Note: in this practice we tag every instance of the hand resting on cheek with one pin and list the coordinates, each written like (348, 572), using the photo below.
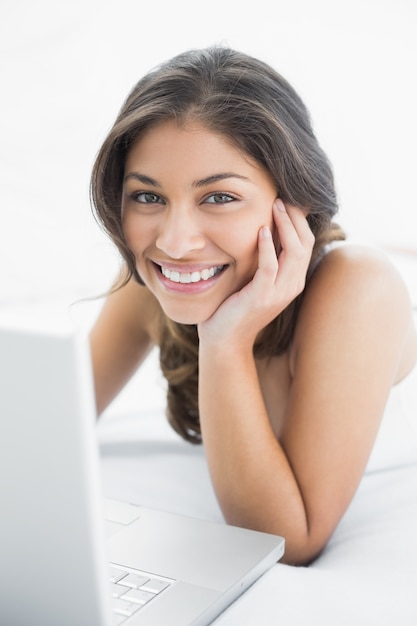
(278, 280)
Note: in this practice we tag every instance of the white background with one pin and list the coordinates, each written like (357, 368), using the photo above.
(67, 66)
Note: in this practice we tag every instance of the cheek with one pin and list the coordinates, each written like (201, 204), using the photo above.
(127, 227)
(135, 232)
(246, 238)
(245, 253)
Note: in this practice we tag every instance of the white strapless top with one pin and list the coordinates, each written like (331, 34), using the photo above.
(396, 442)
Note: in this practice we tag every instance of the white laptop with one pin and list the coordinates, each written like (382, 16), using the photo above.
(62, 564)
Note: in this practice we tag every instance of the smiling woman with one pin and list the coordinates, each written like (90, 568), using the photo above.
(193, 222)
(216, 192)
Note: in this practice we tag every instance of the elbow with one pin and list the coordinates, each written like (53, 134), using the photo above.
(305, 539)
(301, 549)
(302, 545)
(300, 555)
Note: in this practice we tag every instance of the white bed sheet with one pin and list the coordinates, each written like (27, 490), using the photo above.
(366, 575)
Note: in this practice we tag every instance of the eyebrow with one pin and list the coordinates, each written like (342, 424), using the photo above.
(146, 180)
(208, 180)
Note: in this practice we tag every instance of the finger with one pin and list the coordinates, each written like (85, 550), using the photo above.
(287, 233)
(267, 255)
(298, 217)
(297, 242)
(262, 283)
(292, 226)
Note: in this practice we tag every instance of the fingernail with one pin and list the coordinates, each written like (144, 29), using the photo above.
(265, 232)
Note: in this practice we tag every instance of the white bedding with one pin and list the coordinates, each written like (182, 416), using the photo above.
(367, 575)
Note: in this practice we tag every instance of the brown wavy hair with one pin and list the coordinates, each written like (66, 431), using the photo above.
(255, 108)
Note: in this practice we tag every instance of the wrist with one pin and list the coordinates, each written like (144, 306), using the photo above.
(238, 349)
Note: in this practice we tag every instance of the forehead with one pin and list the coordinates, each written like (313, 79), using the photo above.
(191, 145)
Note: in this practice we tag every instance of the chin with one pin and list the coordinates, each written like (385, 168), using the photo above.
(185, 319)
(186, 315)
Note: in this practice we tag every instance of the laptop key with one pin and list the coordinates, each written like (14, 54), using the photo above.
(116, 574)
(154, 585)
(118, 590)
(139, 596)
(123, 607)
(134, 580)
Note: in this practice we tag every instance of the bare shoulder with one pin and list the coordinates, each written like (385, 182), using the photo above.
(357, 275)
(356, 291)
(360, 265)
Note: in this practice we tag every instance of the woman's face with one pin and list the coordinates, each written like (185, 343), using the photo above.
(192, 207)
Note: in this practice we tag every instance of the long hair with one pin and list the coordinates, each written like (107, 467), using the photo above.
(255, 108)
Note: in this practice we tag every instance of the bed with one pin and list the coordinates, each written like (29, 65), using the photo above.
(366, 575)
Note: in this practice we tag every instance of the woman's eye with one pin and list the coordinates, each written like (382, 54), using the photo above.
(147, 197)
(219, 198)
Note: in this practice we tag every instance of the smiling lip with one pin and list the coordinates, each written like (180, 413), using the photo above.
(193, 280)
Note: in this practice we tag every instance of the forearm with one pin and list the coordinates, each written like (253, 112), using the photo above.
(251, 474)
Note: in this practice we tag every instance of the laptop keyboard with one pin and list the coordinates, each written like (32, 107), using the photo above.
(132, 589)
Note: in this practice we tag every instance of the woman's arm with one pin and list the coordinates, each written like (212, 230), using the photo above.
(349, 350)
(348, 344)
(121, 339)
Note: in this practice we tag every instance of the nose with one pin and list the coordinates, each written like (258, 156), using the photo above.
(179, 233)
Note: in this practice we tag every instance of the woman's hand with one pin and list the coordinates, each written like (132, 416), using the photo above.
(278, 280)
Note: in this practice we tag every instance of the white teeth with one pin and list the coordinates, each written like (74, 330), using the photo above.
(205, 274)
(191, 277)
(185, 278)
